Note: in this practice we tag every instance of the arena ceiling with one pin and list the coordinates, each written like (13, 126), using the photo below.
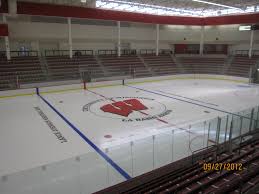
(200, 8)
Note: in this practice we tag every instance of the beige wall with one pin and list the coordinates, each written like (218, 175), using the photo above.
(42, 36)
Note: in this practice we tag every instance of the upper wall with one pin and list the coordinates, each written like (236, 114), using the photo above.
(33, 8)
(55, 35)
(227, 34)
(170, 33)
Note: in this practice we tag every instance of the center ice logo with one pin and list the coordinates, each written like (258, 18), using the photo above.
(124, 108)
(127, 109)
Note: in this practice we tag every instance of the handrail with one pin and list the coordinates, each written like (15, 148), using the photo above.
(128, 51)
(19, 54)
(56, 52)
(2, 54)
(215, 52)
(203, 149)
(82, 52)
(147, 51)
(242, 52)
(255, 53)
(165, 51)
(107, 52)
(115, 52)
(24, 53)
(76, 52)
(253, 132)
(187, 51)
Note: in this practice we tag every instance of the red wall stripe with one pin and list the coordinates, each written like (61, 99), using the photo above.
(233, 19)
(92, 13)
(4, 30)
(80, 12)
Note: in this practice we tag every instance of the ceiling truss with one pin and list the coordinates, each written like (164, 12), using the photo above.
(201, 8)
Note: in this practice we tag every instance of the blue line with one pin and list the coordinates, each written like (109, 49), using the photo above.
(188, 98)
(244, 86)
(107, 158)
(188, 102)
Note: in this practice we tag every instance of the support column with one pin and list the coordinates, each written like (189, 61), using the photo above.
(202, 40)
(157, 39)
(35, 46)
(12, 7)
(251, 44)
(7, 44)
(7, 48)
(70, 38)
(119, 38)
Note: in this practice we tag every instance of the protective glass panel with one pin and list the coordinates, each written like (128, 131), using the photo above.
(212, 128)
(163, 149)
(237, 123)
(122, 156)
(25, 182)
(223, 129)
(94, 173)
(198, 136)
(143, 156)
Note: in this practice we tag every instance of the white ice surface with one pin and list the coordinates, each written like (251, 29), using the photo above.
(27, 142)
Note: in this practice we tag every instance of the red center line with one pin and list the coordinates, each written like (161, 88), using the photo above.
(161, 120)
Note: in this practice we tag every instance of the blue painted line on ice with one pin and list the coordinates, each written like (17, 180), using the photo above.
(244, 86)
(100, 152)
(224, 111)
(187, 98)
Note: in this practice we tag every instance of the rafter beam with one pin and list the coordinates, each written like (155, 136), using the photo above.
(216, 4)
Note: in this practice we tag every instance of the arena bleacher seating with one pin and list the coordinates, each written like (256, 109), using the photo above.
(241, 65)
(184, 177)
(63, 67)
(56, 65)
(124, 65)
(202, 65)
(162, 64)
(20, 70)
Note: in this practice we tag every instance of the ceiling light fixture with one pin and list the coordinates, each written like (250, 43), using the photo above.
(217, 4)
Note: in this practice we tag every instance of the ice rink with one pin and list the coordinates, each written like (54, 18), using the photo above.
(90, 139)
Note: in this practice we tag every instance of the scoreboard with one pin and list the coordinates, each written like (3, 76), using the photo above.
(249, 27)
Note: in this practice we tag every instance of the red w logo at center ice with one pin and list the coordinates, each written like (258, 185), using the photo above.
(124, 108)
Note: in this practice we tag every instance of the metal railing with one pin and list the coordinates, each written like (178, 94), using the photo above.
(107, 52)
(56, 53)
(246, 52)
(82, 52)
(209, 150)
(165, 51)
(242, 52)
(147, 51)
(133, 52)
(215, 52)
(24, 53)
(66, 52)
(129, 52)
(79, 52)
(255, 52)
(19, 54)
(2, 54)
